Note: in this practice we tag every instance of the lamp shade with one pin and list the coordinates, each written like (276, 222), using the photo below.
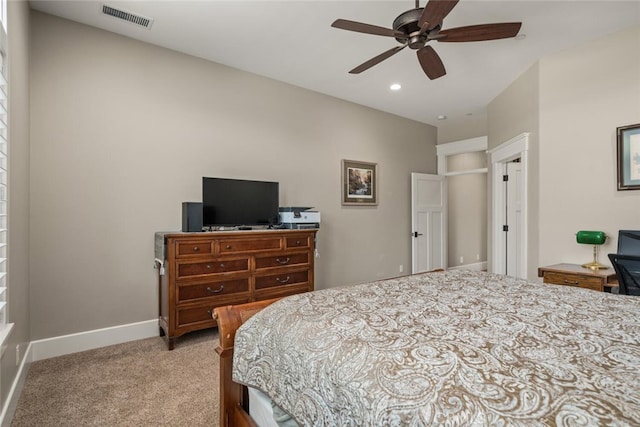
(591, 237)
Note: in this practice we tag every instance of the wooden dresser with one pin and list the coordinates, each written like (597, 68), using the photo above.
(212, 269)
(578, 276)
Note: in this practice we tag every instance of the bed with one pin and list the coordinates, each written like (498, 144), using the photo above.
(443, 348)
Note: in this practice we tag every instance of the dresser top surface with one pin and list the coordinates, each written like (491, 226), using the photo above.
(227, 233)
(577, 269)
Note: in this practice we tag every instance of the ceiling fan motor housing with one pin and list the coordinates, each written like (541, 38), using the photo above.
(407, 23)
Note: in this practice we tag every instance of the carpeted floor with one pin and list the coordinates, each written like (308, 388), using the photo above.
(138, 383)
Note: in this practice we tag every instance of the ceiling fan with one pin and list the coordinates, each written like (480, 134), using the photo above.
(416, 27)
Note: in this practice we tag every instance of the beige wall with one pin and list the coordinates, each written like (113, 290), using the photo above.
(586, 92)
(572, 102)
(510, 114)
(18, 293)
(457, 129)
(122, 133)
(515, 110)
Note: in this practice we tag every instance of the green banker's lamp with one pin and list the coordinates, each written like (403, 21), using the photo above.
(595, 238)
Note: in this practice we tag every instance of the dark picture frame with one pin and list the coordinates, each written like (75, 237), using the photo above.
(359, 183)
(628, 148)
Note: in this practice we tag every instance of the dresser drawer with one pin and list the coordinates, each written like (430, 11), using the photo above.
(229, 246)
(201, 315)
(282, 260)
(194, 248)
(281, 291)
(299, 242)
(576, 280)
(194, 291)
(282, 279)
(190, 269)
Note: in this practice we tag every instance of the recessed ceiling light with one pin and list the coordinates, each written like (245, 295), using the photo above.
(442, 117)
(395, 86)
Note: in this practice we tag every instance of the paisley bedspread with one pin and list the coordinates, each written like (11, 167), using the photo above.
(455, 348)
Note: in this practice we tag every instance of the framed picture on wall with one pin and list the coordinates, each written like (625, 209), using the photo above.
(359, 183)
(629, 157)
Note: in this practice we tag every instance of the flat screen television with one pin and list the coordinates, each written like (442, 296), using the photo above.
(629, 242)
(239, 203)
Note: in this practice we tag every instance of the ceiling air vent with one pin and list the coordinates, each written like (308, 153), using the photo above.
(127, 16)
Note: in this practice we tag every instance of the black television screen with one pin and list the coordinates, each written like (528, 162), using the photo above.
(629, 242)
(238, 202)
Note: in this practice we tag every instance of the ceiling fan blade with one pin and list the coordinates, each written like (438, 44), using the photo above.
(476, 33)
(360, 27)
(431, 63)
(376, 60)
(435, 11)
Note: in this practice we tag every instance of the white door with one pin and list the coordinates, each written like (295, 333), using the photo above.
(513, 219)
(505, 153)
(429, 222)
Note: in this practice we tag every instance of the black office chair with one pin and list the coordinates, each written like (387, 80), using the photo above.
(628, 271)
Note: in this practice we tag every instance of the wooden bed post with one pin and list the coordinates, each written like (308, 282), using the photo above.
(229, 319)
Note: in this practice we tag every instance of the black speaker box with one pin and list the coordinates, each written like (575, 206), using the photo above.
(191, 216)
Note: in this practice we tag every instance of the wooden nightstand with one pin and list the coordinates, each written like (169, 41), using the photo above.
(578, 276)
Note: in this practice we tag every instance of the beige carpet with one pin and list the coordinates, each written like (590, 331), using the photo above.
(138, 383)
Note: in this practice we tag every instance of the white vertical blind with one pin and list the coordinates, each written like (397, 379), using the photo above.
(4, 188)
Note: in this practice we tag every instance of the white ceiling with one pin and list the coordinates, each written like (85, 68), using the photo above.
(292, 41)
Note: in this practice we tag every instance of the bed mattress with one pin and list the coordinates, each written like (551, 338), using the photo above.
(453, 348)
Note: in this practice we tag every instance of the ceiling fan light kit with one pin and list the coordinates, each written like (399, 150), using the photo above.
(416, 27)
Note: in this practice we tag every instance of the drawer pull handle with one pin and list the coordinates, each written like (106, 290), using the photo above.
(283, 261)
(571, 282)
(208, 266)
(279, 280)
(210, 313)
(196, 248)
(222, 265)
(215, 291)
(228, 246)
(298, 242)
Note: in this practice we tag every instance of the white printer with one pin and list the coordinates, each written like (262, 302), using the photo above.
(299, 217)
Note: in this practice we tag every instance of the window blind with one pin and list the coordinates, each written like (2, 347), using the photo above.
(4, 190)
(5, 327)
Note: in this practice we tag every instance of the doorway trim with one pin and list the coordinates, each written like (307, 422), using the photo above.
(459, 147)
(510, 150)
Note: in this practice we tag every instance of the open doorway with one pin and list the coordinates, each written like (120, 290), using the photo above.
(464, 166)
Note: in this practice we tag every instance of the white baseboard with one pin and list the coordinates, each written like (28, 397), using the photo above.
(66, 344)
(6, 417)
(478, 266)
